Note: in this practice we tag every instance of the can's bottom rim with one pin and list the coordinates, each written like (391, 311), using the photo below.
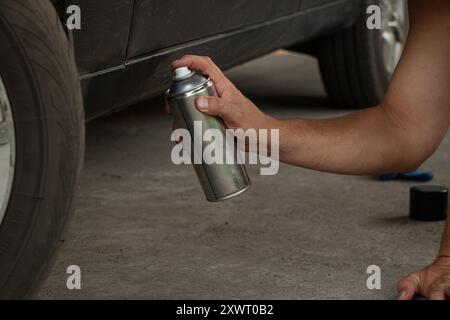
(230, 195)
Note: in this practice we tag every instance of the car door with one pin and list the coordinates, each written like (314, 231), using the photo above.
(102, 41)
(159, 24)
(306, 4)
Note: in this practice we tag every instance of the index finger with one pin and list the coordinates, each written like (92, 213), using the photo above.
(207, 67)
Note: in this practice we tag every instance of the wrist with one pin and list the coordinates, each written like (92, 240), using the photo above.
(444, 250)
(442, 260)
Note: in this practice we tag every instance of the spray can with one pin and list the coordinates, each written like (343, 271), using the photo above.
(220, 181)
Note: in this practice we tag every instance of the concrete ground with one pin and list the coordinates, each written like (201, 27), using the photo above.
(142, 228)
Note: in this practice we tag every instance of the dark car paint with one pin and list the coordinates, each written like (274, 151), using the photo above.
(187, 20)
(124, 55)
(103, 39)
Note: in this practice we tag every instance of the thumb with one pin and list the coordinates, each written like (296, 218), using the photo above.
(213, 106)
(407, 287)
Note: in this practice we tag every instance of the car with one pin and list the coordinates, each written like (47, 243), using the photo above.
(53, 79)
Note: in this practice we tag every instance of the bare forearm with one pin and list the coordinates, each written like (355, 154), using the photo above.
(365, 142)
(405, 129)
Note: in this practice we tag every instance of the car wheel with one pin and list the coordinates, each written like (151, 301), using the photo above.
(357, 63)
(41, 141)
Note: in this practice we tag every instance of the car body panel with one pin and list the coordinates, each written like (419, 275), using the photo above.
(124, 55)
(186, 21)
(103, 39)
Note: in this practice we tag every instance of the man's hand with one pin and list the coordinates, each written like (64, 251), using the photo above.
(231, 105)
(432, 282)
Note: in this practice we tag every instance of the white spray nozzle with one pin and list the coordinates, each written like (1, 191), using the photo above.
(182, 72)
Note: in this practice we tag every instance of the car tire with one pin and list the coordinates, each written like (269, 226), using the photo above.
(41, 82)
(357, 63)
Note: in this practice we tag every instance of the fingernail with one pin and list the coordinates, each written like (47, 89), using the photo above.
(202, 103)
(402, 295)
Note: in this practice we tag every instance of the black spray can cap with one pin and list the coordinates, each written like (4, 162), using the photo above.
(428, 203)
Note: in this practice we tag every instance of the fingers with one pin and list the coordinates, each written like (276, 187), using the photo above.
(207, 67)
(420, 283)
(167, 109)
(408, 287)
(437, 294)
(213, 106)
(440, 289)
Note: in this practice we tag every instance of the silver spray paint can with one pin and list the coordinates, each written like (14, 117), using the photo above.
(220, 181)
